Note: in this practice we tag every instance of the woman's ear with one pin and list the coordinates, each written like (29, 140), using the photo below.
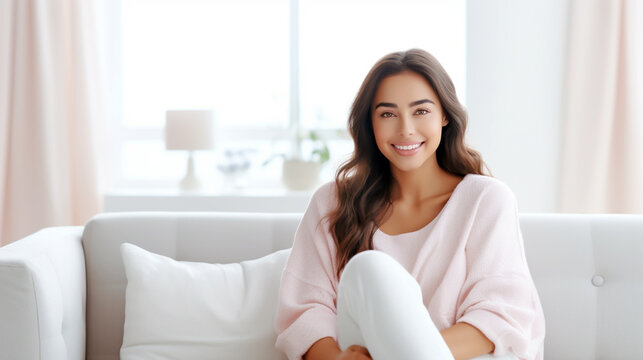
(445, 122)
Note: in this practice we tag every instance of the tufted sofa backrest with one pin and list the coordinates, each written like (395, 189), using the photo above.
(588, 270)
(589, 273)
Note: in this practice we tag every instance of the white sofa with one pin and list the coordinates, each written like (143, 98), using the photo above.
(62, 289)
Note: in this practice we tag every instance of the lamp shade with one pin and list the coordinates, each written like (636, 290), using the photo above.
(189, 129)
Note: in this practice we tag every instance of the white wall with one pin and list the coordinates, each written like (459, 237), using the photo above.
(515, 67)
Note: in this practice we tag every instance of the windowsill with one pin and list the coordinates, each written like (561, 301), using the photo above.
(272, 200)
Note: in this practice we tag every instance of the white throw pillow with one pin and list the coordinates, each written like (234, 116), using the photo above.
(189, 310)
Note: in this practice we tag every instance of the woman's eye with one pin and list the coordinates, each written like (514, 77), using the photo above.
(422, 112)
(387, 114)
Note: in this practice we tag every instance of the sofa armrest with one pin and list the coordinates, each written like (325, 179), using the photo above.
(42, 296)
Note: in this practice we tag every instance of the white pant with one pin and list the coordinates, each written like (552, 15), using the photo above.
(379, 307)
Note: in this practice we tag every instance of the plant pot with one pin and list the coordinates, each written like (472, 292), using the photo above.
(300, 175)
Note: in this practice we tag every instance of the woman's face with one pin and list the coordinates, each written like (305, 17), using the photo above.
(407, 121)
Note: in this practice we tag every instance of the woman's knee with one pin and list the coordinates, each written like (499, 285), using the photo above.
(373, 267)
(370, 261)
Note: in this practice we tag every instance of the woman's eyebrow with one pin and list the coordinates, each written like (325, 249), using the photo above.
(386, 104)
(414, 103)
(421, 102)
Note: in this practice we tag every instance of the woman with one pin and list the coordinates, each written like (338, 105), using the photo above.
(412, 253)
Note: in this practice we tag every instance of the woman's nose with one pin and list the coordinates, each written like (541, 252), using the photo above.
(406, 126)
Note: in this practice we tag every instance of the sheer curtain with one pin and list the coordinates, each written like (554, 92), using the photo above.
(50, 114)
(602, 164)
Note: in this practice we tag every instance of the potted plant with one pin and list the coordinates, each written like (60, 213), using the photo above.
(301, 172)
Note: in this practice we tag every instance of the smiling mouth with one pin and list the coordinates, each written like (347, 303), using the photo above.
(408, 147)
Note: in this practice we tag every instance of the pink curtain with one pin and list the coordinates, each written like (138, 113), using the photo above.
(602, 164)
(50, 114)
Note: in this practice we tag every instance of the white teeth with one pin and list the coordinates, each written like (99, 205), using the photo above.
(408, 147)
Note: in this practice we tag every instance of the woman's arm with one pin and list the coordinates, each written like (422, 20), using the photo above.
(327, 349)
(306, 310)
(466, 342)
(501, 300)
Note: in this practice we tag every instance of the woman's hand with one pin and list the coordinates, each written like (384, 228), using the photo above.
(355, 352)
(327, 348)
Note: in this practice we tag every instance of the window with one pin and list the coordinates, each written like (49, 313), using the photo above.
(341, 40)
(235, 57)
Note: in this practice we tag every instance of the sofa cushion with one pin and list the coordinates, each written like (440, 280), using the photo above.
(185, 236)
(194, 310)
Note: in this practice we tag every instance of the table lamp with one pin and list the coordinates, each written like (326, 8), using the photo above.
(189, 130)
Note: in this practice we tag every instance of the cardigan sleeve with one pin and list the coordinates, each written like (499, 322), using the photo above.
(498, 296)
(307, 294)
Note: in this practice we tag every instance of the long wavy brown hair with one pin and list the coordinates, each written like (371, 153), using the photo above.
(364, 182)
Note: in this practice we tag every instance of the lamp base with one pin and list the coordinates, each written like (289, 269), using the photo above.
(190, 182)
